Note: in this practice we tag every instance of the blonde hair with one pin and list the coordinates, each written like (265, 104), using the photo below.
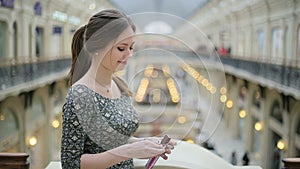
(122, 85)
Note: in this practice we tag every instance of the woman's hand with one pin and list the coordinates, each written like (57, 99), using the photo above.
(168, 148)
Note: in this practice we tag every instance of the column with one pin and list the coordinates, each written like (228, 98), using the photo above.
(10, 40)
(233, 95)
(48, 39)
(267, 40)
(249, 131)
(66, 35)
(266, 134)
(32, 41)
(233, 34)
(48, 28)
(292, 35)
(23, 37)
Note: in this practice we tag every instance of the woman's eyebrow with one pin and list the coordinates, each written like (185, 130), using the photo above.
(125, 44)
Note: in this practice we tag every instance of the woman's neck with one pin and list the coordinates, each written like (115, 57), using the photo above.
(101, 74)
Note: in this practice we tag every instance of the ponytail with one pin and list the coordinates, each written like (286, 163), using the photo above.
(81, 61)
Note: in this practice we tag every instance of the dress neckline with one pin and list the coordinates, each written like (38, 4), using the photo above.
(98, 94)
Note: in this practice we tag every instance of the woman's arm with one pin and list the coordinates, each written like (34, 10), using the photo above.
(72, 142)
(154, 139)
(99, 161)
(134, 139)
(172, 143)
(140, 149)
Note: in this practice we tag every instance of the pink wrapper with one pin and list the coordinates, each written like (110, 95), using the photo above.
(151, 162)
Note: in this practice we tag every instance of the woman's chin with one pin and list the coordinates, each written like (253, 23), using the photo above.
(120, 68)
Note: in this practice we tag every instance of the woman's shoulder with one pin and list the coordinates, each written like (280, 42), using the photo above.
(78, 90)
(79, 86)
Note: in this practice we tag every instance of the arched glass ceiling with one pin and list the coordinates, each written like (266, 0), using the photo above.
(180, 8)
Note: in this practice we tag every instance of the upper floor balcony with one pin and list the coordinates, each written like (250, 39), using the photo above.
(16, 77)
(282, 76)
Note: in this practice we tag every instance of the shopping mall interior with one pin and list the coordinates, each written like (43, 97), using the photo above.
(221, 77)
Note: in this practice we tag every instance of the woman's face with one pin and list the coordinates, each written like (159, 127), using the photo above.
(122, 49)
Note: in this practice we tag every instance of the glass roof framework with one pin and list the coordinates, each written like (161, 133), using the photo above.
(183, 9)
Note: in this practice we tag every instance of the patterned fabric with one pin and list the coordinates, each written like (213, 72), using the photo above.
(93, 124)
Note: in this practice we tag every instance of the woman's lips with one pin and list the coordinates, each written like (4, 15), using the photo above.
(123, 62)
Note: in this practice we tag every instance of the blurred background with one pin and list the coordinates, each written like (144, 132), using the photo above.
(222, 74)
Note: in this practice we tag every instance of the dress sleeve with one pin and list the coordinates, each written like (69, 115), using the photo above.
(73, 138)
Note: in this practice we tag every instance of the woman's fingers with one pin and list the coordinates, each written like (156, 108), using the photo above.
(154, 145)
(170, 147)
(172, 142)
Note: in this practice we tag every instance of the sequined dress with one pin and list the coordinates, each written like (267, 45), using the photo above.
(93, 124)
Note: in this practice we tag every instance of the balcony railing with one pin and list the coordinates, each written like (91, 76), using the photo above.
(279, 72)
(15, 74)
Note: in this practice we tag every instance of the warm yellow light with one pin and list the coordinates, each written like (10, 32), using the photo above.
(223, 90)
(55, 123)
(32, 141)
(213, 90)
(281, 145)
(200, 78)
(154, 74)
(258, 126)
(257, 95)
(223, 98)
(229, 104)
(141, 90)
(196, 75)
(173, 90)
(92, 6)
(242, 114)
(148, 71)
(175, 99)
(2, 117)
(209, 87)
(138, 98)
(190, 141)
(205, 82)
(181, 119)
(166, 70)
(156, 95)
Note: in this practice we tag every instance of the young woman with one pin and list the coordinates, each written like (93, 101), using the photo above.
(98, 117)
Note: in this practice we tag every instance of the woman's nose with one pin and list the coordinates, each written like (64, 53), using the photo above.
(130, 53)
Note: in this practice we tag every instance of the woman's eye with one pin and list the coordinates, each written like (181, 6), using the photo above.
(121, 49)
